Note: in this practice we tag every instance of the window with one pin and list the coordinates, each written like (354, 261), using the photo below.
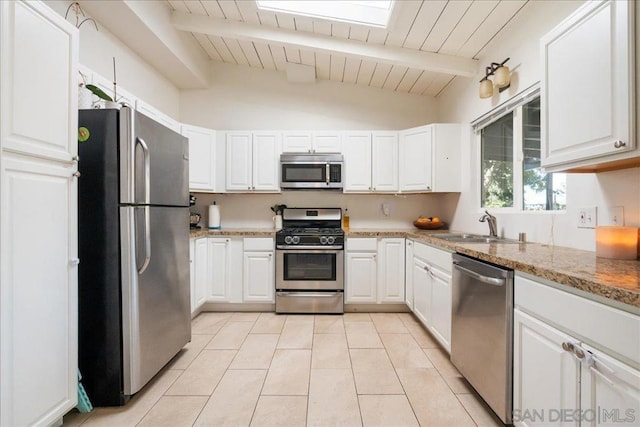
(516, 182)
(366, 12)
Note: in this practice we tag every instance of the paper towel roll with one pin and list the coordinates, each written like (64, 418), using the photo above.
(214, 216)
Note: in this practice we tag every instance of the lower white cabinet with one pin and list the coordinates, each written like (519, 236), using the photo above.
(574, 359)
(431, 287)
(258, 267)
(219, 263)
(408, 277)
(200, 276)
(375, 270)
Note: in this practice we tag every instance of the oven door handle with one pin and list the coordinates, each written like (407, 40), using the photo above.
(309, 248)
(484, 279)
(308, 294)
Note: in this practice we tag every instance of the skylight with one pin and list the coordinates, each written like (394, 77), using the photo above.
(374, 13)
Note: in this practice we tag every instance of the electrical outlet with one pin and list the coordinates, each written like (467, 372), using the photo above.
(587, 217)
(615, 216)
(386, 209)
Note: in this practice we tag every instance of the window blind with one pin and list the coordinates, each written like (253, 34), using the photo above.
(506, 107)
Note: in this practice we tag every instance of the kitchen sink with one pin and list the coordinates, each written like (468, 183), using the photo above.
(471, 238)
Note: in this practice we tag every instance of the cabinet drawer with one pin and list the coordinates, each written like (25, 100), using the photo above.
(362, 244)
(434, 256)
(595, 323)
(258, 244)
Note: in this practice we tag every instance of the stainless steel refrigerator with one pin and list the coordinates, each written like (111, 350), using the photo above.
(133, 227)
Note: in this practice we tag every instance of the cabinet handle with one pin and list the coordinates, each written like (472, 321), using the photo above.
(76, 158)
(428, 188)
(270, 255)
(409, 243)
(74, 261)
(578, 352)
(77, 174)
(249, 188)
(619, 144)
(567, 346)
(369, 188)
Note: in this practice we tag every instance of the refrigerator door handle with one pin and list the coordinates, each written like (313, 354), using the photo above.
(147, 240)
(147, 170)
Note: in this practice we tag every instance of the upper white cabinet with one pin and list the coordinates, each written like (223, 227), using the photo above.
(587, 89)
(311, 142)
(371, 161)
(430, 158)
(157, 115)
(258, 265)
(202, 158)
(38, 266)
(252, 161)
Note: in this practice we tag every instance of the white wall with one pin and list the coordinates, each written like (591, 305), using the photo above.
(460, 103)
(246, 98)
(97, 48)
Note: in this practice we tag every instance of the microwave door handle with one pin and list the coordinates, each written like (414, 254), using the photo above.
(328, 174)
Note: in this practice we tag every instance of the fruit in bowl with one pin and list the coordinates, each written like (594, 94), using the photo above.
(429, 223)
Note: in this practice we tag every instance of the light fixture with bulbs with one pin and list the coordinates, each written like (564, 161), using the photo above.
(501, 80)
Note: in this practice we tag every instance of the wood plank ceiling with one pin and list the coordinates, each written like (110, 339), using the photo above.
(455, 27)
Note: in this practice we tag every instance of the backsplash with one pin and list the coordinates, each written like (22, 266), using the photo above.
(365, 210)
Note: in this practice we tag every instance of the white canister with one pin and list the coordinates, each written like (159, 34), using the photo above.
(214, 217)
(277, 222)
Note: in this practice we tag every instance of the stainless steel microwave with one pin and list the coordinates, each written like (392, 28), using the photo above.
(311, 171)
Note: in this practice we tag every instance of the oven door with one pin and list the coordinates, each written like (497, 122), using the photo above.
(311, 175)
(310, 269)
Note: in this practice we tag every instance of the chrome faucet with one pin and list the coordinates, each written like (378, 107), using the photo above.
(492, 221)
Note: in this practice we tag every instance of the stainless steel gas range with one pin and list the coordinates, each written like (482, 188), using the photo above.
(310, 261)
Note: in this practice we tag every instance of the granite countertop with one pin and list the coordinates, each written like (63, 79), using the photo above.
(616, 280)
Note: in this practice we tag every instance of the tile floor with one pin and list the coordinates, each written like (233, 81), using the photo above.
(263, 369)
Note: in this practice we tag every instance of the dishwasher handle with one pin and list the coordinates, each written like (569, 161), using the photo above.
(495, 281)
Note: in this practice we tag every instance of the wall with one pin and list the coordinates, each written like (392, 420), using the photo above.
(460, 103)
(97, 48)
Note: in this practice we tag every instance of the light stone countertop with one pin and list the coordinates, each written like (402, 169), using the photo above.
(616, 280)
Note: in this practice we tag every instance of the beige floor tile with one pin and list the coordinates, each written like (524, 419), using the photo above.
(190, 351)
(386, 411)
(408, 319)
(231, 336)
(256, 352)
(422, 336)
(433, 402)
(458, 385)
(362, 335)
(244, 317)
(209, 323)
(404, 351)
(136, 409)
(442, 363)
(235, 398)
(356, 317)
(330, 351)
(479, 411)
(388, 323)
(280, 411)
(269, 323)
(203, 374)
(374, 373)
(174, 411)
(328, 324)
(300, 318)
(332, 398)
(297, 333)
(289, 373)
(74, 418)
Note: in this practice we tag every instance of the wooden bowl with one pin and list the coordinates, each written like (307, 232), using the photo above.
(429, 225)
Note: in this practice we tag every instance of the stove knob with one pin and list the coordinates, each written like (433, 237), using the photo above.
(331, 240)
(323, 240)
(288, 240)
(295, 240)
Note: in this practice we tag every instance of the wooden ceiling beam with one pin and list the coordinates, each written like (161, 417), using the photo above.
(411, 58)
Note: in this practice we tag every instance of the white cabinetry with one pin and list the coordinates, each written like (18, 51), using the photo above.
(200, 277)
(586, 125)
(219, 253)
(374, 270)
(258, 266)
(252, 161)
(572, 354)
(408, 277)
(202, 158)
(371, 161)
(157, 115)
(38, 266)
(431, 280)
(311, 142)
(430, 158)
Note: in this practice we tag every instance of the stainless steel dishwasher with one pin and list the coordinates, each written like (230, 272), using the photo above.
(482, 330)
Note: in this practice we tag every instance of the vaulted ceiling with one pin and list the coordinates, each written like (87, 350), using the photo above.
(428, 43)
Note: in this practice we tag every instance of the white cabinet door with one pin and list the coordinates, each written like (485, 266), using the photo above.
(239, 163)
(201, 278)
(39, 82)
(157, 115)
(361, 277)
(391, 270)
(545, 377)
(219, 260)
(408, 285)
(258, 281)
(421, 291)
(326, 142)
(39, 287)
(357, 158)
(192, 274)
(587, 95)
(202, 157)
(385, 161)
(416, 159)
(266, 156)
(296, 142)
(441, 306)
